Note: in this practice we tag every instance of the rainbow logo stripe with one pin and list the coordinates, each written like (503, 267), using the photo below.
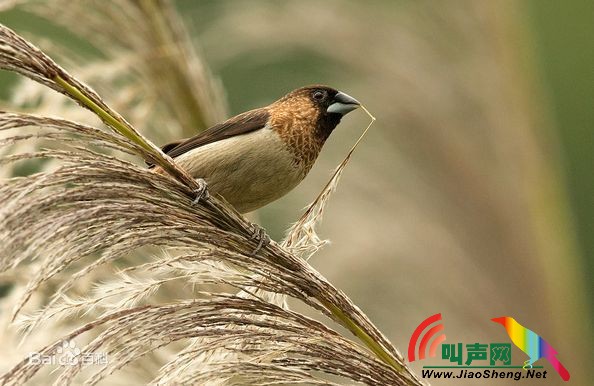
(532, 344)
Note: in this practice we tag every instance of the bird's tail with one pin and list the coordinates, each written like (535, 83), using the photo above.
(559, 368)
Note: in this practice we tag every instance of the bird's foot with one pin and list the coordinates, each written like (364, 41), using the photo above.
(527, 364)
(260, 235)
(202, 191)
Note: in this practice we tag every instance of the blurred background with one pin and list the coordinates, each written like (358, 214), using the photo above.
(472, 195)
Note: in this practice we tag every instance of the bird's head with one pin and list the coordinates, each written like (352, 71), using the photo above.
(500, 320)
(323, 105)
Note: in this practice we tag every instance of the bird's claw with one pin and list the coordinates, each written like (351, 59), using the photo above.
(202, 191)
(260, 235)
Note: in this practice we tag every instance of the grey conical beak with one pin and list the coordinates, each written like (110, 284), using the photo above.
(343, 104)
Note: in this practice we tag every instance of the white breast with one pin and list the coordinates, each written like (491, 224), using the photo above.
(249, 170)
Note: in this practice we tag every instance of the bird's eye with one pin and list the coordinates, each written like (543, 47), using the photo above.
(319, 95)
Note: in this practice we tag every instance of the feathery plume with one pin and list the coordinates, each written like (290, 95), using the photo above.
(97, 205)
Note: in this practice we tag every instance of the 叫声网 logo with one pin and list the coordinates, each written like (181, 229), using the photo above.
(494, 359)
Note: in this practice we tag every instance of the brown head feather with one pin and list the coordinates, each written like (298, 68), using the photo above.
(301, 120)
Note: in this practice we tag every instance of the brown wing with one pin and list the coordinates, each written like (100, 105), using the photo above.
(165, 149)
(170, 146)
(238, 125)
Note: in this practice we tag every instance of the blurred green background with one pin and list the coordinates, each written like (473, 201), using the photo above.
(563, 33)
(474, 194)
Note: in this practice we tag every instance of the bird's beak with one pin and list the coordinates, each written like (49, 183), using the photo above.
(498, 320)
(343, 104)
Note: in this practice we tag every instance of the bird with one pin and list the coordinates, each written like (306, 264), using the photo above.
(258, 156)
(532, 344)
